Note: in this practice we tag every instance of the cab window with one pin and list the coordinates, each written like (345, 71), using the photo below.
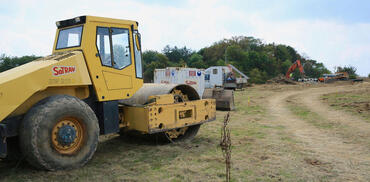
(103, 44)
(114, 47)
(121, 48)
(215, 71)
(137, 48)
(69, 37)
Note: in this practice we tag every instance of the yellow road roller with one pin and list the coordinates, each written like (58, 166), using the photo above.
(53, 109)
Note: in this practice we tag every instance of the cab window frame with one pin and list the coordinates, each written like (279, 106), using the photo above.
(215, 71)
(111, 46)
(69, 27)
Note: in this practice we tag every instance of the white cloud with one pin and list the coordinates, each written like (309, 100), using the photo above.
(331, 42)
(195, 24)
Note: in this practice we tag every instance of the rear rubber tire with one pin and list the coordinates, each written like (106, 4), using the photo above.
(36, 133)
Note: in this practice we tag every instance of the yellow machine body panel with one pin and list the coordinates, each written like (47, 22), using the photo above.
(164, 114)
(80, 92)
(110, 82)
(21, 83)
(111, 79)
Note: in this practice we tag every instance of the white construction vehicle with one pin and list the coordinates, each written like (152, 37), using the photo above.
(225, 77)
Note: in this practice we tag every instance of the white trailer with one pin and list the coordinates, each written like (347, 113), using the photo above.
(196, 78)
(190, 76)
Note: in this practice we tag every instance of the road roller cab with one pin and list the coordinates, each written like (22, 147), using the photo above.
(112, 49)
(53, 109)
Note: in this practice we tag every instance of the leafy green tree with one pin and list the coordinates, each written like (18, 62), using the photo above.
(257, 76)
(234, 53)
(196, 61)
(149, 56)
(154, 60)
(220, 62)
(237, 57)
(286, 65)
(268, 65)
(7, 63)
(181, 63)
(313, 69)
(282, 53)
(175, 54)
(293, 54)
(253, 61)
(212, 54)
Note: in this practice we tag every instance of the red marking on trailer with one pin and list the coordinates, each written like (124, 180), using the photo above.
(189, 82)
(168, 73)
(192, 73)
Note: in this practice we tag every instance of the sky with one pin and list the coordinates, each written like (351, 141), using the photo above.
(335, 32)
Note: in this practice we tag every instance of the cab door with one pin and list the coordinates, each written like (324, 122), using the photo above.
(115, 52)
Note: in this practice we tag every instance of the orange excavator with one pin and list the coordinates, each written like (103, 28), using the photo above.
(293, 67)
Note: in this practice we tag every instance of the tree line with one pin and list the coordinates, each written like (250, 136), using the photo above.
(250, 55)
(257, 60)
(7, 62)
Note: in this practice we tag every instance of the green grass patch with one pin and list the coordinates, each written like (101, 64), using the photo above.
(311, 117)
(356, 102)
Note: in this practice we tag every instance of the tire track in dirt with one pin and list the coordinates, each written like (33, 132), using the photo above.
(349, 161)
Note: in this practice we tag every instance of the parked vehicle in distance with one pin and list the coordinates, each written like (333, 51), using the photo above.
(327, 78)
(225, 77)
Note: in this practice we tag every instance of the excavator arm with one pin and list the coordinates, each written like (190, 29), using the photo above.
(293, 67)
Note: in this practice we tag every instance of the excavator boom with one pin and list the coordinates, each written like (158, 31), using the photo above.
(293, 67)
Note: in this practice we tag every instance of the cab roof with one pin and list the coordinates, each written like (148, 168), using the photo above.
(86, 19)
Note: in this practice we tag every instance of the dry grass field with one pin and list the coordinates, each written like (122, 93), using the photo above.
(285, 133)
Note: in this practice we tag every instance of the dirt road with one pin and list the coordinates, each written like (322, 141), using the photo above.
(348, 158)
